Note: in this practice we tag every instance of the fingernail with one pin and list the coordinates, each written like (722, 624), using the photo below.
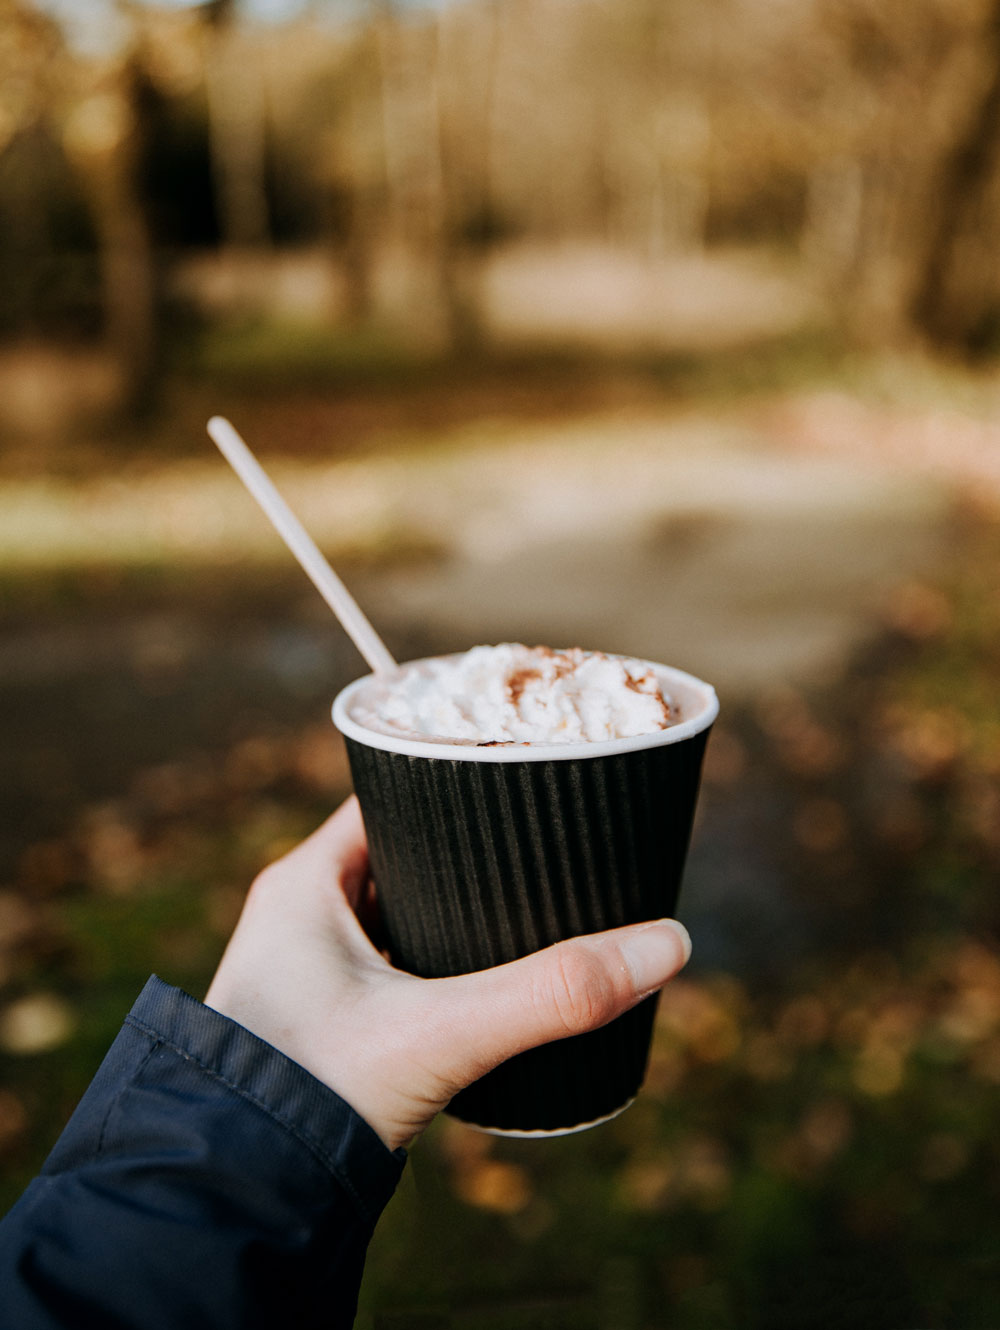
(651, 953)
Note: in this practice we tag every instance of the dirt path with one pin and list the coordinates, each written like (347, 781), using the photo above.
(674, 537)
(701, 544)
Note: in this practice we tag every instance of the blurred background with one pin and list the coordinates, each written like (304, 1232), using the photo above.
(657, 326)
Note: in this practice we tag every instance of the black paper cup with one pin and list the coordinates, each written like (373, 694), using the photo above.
(481, 855)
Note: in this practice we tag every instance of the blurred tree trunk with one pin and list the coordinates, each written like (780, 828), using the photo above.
(27, 234)
(880, 208)
(954, 291)
(392, 114)
(237, 121)
(491, 208)
(33, 77)
(448, 243)
(130, 275)
(354, 182)
(863, 240)
(414, 153)
(658, 148)
(106, 139)
(831, 226)
(357, 253)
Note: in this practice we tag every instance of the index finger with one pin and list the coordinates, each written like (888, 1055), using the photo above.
(337, 850)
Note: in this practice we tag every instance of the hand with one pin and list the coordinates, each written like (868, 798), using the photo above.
(301, 972)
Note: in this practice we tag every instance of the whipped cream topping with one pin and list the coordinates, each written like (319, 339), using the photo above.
(517, 694)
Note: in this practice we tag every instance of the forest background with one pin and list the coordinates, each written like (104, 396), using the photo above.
(695, 307)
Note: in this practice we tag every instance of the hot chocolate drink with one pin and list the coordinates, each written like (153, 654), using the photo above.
(514, 796)
(513, 694)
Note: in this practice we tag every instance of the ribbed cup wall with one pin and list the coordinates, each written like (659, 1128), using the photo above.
(477, 863)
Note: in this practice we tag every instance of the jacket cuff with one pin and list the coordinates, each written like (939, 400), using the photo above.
(299, 1103)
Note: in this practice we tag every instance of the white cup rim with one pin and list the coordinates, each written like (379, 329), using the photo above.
(671, 678)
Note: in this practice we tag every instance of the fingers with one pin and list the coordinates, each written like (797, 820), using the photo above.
(568, 989)
(336, 852)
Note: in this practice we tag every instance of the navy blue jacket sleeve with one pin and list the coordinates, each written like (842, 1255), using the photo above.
(205, 1182)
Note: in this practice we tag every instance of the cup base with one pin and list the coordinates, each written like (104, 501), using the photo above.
(553, 1131)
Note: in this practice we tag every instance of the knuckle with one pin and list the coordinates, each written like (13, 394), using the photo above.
(581, 994)
(268, 884)
(265, 882)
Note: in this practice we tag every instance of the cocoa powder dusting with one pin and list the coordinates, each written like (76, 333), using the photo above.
(647, 686)
(518, 681)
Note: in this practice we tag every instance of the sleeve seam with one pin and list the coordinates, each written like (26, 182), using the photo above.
(305, 1138)
(105, 1121)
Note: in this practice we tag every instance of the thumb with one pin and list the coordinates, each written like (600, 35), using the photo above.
(567, 989)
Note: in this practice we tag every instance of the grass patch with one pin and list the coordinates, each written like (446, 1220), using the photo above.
(259, 356)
